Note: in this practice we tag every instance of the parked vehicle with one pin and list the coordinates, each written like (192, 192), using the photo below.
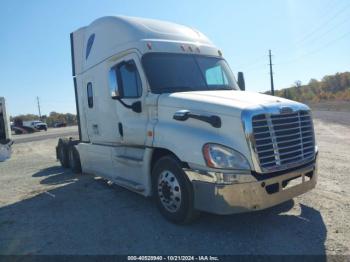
(29, 129)
(161, 114)
(5, 132)
(39, 125)
(18, 130)
(60, 124)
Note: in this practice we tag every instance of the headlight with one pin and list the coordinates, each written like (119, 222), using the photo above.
(218, 156)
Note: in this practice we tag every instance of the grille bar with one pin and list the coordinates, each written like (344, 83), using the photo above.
(285, 153)
(283, 139)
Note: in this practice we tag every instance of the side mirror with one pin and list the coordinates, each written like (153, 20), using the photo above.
(240, 81)
(136, 107)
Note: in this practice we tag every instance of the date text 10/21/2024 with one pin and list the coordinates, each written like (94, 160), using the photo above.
(173, 258)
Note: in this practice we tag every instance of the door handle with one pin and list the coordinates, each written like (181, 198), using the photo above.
(183, 115)
(120, 129)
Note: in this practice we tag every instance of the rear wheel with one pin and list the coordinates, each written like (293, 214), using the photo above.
(62, 153)
(74, 159)
(173, 192)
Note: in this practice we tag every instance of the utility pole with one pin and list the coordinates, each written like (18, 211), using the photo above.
(37, 99)
(271, 75)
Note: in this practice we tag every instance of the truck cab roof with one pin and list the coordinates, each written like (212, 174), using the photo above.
(111, 35)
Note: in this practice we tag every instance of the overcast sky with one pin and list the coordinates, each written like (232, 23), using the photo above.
(309, 39)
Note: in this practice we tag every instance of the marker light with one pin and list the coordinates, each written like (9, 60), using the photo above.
(149, 46)
(183, 47)
(190, 48)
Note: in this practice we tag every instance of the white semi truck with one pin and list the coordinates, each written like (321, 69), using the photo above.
(5, 132)
(160, 113)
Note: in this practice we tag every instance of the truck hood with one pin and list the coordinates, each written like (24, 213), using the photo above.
(228, 102)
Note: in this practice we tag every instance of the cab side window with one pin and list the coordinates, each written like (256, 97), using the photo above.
(215, 76)
(90, 95)
(124, 78)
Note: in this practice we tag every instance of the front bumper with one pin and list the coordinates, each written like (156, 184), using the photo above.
(244, 197)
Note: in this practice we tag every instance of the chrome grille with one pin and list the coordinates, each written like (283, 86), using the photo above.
(283, 140)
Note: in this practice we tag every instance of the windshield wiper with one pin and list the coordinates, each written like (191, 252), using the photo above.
(176, 89)
(220, 87)
(189, 89)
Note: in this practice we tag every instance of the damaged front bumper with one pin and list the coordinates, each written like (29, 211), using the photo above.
(258, 194)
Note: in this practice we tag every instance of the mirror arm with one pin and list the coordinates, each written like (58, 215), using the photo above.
(136, 106)
(123, 103)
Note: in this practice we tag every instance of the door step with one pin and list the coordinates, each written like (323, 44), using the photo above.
(129, 184)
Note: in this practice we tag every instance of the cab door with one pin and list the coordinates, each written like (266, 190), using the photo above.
(91, 112)
(129, 88)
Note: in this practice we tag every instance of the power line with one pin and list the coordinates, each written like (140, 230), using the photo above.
(300, 41)
(261, 66)
(325, 33)
(255, 68)
(253, 62)
(251, 65)
(316, 50)
(309, 37)
(324, 24)
(331, 29)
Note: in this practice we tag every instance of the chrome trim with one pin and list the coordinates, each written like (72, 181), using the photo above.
(270, 110)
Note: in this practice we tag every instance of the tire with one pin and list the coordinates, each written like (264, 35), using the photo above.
(74, 159)
(62, 153)
(173, 191)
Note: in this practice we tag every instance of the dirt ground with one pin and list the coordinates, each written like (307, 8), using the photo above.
(45, 209)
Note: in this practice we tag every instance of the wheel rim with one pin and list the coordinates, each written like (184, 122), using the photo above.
(169, 191)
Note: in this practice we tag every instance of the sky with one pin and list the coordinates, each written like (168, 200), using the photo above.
(308, 39)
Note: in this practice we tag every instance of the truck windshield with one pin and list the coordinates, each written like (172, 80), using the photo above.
(169, 73)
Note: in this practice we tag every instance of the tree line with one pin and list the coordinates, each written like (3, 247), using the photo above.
(50, 120)
(329, 88)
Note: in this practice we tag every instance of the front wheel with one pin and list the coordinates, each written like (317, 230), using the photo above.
(173, 191)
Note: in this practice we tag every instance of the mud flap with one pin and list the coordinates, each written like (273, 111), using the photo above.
(5, 150)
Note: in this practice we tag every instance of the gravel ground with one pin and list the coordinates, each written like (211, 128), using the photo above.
(45, 209)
